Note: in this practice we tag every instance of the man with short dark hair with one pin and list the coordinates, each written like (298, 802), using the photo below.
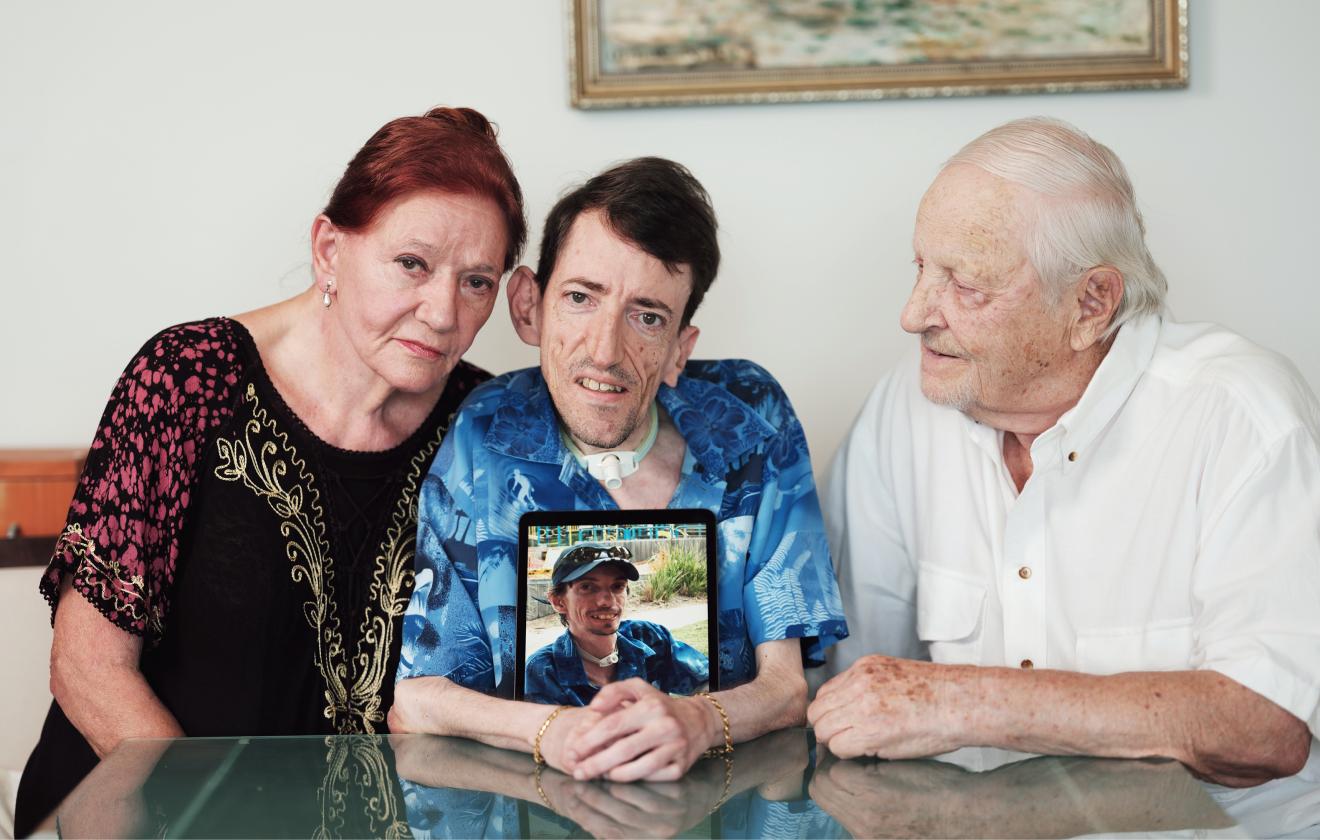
(617, 417)
(589, 592)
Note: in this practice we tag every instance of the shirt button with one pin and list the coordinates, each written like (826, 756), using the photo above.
(1027, 664)
(1072, 456)
(1024, 572)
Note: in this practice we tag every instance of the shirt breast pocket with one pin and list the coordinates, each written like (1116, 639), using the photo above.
(1159, 646)
(950, 615)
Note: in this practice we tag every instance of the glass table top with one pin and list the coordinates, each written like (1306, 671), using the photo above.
(777, 786)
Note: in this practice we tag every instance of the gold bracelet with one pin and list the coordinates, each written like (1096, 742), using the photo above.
(727, 749)
(540, 790)
(728, 784)
(536, 745)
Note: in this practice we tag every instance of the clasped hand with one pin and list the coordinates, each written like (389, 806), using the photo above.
(631, 731)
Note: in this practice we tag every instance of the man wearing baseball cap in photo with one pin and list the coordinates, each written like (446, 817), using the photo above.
(589, 590)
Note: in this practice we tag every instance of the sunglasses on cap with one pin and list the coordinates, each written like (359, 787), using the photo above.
(583, 557)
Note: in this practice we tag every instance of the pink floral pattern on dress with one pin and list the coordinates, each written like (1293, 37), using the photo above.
(121, 541)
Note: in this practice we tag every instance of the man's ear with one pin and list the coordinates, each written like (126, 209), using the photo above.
(1099, 294)
(525, 305)
(687, 340)
(557, 601)
(325, 252)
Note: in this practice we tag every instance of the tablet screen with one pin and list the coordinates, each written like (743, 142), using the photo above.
(610, 595)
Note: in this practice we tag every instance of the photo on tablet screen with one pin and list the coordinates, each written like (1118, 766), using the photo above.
(611, 596)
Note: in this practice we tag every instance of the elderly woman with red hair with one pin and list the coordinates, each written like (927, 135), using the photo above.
(238, 555)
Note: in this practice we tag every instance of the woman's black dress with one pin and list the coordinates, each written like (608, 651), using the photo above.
(266, 570)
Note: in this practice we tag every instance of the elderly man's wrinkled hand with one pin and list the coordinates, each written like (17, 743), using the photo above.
(902, 799)
(643, 734)
(893, 708)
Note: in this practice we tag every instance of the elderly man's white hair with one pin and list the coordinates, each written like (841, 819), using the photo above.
(1089, 216)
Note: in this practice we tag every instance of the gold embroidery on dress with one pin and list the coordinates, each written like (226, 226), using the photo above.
(391, 585)
(128, 592)
(374, 784)
(261, 470)
(352, 686)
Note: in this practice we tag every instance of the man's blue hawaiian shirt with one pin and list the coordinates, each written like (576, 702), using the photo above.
(646, 649)
(746, 461)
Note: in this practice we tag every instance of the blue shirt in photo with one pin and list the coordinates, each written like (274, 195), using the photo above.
(646, 650)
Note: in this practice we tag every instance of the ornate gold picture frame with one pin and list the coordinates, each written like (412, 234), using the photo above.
(632, 53)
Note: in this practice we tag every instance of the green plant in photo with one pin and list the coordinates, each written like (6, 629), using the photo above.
(681, 572)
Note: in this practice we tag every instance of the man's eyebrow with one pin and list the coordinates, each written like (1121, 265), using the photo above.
(652, 303)
(589, 285)
(601, 288)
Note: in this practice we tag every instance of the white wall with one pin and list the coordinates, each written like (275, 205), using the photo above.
(162, 161)
(24, 654)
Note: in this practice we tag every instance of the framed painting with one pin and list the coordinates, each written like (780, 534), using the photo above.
(629, 53)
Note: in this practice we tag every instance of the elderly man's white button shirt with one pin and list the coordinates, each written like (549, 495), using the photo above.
(1171, 522)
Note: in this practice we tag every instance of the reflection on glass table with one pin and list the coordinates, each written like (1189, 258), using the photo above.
(776, 786)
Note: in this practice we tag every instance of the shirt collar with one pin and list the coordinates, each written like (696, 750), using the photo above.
(525, 424)
(633, 654)
(704, 413)
(568, 665)
(1112, 383)
(1110, 386)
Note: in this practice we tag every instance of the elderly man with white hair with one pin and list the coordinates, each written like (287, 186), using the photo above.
(1100, 526)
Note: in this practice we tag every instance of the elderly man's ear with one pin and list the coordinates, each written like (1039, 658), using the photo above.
(1098, 294)
(525, 305)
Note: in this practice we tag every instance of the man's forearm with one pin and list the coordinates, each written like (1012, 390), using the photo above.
(1217, 727)
(437, 706)
(461, 763)
(775, 699)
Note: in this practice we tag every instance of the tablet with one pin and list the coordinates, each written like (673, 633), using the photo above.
(608, 595)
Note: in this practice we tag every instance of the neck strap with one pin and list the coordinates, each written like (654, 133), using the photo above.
(612, 467)
(604, 662)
